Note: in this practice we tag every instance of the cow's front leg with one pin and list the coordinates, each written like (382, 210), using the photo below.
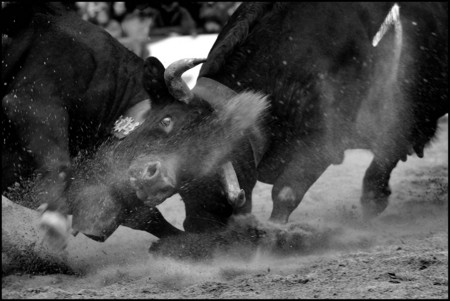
(54, 220)
(45, 137)
(295, 180)
(149, 219)
(376, 189)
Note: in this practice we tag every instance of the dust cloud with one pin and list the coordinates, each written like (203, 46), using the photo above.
(328, 223)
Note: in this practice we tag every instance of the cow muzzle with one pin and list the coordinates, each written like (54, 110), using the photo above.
(152, 183)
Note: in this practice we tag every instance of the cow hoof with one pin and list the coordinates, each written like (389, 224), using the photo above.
(278, 219)
(373, 204)
(56, 228)
(280, 215)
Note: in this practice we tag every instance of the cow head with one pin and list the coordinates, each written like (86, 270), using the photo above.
(184, 136)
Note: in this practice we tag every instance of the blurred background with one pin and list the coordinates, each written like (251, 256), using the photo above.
(168, 30)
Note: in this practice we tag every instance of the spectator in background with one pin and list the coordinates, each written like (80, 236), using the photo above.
(100, 13)
(132, 23)
(119, 11)
(130, 29)
(82, 10)
(136, 27)
(170, 18)
(214, 15)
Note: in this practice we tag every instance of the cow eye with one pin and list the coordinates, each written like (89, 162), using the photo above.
(166, 123)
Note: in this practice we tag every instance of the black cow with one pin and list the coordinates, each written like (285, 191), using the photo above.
(65, 82)
(335, 76)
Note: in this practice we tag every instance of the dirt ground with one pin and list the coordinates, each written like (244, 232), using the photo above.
(326, 251)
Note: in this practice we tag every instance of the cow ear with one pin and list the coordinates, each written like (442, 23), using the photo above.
(153, 79)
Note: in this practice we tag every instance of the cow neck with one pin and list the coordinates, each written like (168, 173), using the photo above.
(217, 94)
(131, 119)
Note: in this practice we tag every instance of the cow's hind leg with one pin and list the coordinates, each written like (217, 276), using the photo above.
(376, 189)
(290, 187)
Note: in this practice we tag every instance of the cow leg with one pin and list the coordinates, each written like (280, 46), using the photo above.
(17, 164)
(376, 189)
(149, 219)
(199, 220)
(206, 210)
(295, 180)
(46, 138)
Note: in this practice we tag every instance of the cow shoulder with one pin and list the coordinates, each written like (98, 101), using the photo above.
(235, 31)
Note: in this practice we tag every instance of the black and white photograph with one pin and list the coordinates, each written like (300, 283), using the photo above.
(224, 150)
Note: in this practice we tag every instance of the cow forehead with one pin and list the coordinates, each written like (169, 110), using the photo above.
(148, 118)
(132, 118)
(124, 126)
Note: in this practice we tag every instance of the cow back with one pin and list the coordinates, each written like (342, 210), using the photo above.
(57, 59)
(327, 81)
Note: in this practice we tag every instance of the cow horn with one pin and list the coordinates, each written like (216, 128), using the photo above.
(235, 195)
(172, 76)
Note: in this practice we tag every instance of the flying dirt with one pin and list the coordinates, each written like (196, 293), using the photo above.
(327, 250)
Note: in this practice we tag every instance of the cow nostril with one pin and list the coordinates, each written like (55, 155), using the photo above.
(152, 169)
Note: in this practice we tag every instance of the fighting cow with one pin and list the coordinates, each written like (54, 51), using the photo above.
(69, 88)
(316, 79)
(65, 82)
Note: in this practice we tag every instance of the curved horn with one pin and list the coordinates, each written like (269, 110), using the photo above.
(172, 76)
(235, 195)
